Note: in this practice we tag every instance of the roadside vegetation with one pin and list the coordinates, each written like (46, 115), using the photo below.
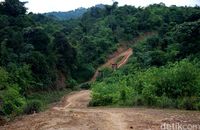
(163, 72)
(40, 55)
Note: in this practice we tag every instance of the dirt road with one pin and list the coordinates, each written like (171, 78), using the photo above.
(72, 113)
(122, 53)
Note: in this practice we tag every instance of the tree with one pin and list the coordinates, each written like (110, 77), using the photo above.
(66, 53)
(13, 7)
(38, 38)
(187, 35)
(4, 21)
(110, 9)
(41, 71)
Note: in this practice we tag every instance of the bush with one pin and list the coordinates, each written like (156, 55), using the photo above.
(165, 102)
(22, 76)
(148, 94)
(180, 80)
(138, 100)
(103, 73)
(101, 95)
(83, 73)
(3, 78)
(171, 86)
(12, 101)
(85, 86)
(189, 103)
(112, 92)
(71, 82)
(102, 101)
(33, 106)
(198, 106)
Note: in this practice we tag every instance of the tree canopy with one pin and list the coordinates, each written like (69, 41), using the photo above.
(40, 53)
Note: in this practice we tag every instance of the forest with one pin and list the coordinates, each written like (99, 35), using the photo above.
(42, 58)
(73, 14)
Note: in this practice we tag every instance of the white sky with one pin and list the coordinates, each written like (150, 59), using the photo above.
(41, 6)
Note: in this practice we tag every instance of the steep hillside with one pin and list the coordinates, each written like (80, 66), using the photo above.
(42, 58)
(72, 111)
(163, 72)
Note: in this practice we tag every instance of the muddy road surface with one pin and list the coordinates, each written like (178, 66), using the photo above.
(73, 113)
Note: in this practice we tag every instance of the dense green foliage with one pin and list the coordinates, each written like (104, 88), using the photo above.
(175, 85)
(164, 70)
(38, 53)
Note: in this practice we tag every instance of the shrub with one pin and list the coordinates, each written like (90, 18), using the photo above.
(198, 106)
(85, 86)
(103, 73)
(175, 85)
(83, 73)
(71, 82)
(165, 102)
(189, 103)
(123, 95)
(102, 101)
(179, 80)
(101, 95)
(149, 95)
(138, 100)
(12, 101)
(22, 76)
(3, 78)
(33, 106)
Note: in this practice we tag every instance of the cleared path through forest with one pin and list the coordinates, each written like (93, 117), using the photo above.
(72, 113)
